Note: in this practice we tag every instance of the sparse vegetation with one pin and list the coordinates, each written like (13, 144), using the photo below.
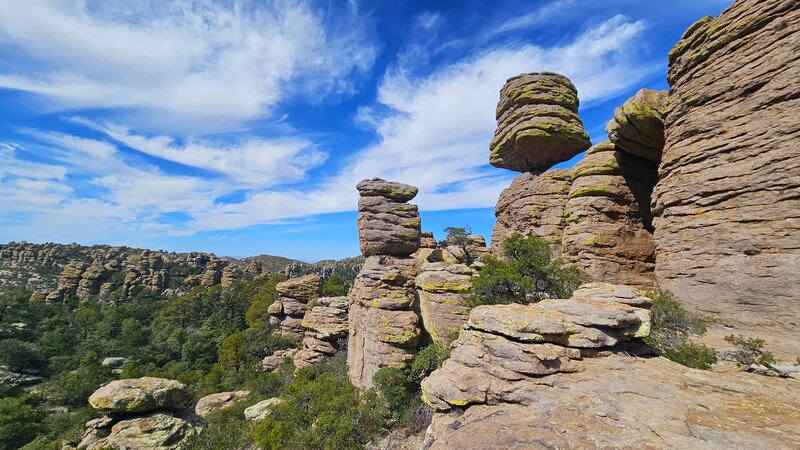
(750, 351)
(527, 273)
(671, 330)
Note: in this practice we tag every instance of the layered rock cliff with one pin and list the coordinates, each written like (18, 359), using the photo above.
(726, 206)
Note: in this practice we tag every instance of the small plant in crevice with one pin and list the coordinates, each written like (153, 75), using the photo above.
(672, 325)
(750, 352)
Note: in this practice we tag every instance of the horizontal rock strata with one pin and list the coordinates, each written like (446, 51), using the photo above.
(727, 224)
(325, 324)
(537, 123)
(288, 310)
(387, 225)
(638, 125)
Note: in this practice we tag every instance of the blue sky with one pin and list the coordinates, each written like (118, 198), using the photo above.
(242, 127)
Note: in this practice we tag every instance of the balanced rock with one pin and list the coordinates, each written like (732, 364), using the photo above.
(140, 395)
(727, 227)
(533, 206)
(387, 225)
(219, 401)
(608, 226)
(325, 325)
(638, 125)
(537, 123)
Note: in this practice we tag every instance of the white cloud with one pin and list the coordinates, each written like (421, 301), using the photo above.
(197, 63)
(437, 133)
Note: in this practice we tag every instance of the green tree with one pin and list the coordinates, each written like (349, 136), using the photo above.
(266, 294)
(231, 352)
(334, 286)
(21, 356)
(73, 388)
(671, 326)
(527, 273)
(21, 421)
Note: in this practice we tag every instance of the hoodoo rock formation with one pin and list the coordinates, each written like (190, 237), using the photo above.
(727, 209)
(537, 123)
(608, 231)
(325, 325)
(638, 125)
(442, 288)
(383, 327)
(288, 310)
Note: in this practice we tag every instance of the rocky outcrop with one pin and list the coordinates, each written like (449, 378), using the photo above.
(262, 409)
(638, 125)
(505, 350)
(387, 224)
(442, 289)
(727, 225)
(620, 401)
(325, 325)
(142, 414)
(608, 226)
(383, 328)
(219, 401)
(274, 361)
(532, 205)
(558, 374)
(288, 310)
(537, 123)
(69, 281)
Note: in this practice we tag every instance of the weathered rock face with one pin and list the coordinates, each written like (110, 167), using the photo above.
(626, 402)
(504, 350)
(274, 361)
(608, 231)
(143, 413)
(383, 328)
(387, 225)
(262, 409)
(325, 325)
(219, 401)
(537, 123)
(140, 395)
(638, 125)
(553, 375)
(727, 225)
(287, 312)
(442, 290)
(532, 205)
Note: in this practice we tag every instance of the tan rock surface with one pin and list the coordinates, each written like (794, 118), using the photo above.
(727, 224)
(638, 125)
(155, 431)
(442, 289)
(387, 225)
(140, 395)
(537, 123)
(626, 402)
(325, 325)
(608, 231)
(532, 205)
(219, 401)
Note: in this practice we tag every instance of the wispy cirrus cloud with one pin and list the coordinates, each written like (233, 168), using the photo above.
(207, 65)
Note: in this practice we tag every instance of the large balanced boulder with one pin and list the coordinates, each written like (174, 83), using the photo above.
(638, 125)
(153, 431)
(387, 224)
(727, 225)
(537, 123)
(533, 206)
(608, 226)
(139, 395)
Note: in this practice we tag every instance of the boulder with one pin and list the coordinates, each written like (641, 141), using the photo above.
(426, 240)
(153, 431)
(537, 123)
(274, 361)
(638, 125)
(325, 325)
(262, 409)
(727, 228)
(140, 395)
(288, 311)
(608, 226)
(533, 206)
(217, 402)
(114, 362)
(303, 289)
(387, 225)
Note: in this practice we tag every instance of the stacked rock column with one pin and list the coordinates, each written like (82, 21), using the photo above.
(288, 311)
(383, 326)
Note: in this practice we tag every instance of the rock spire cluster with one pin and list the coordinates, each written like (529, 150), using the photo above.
(288, 310)
(325, 325)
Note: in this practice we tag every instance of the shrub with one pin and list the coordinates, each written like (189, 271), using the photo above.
(20, 421)
(21, 356)
(225, 429)
(694, 356)
(750, 351)
(671, 323)
(428, 359)
(397, 391)
(334, 286)
(527, 274)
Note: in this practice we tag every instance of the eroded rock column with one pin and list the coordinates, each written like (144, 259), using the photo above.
(383, 325)
(288, 311)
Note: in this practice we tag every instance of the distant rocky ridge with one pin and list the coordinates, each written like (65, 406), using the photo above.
(55, 272)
